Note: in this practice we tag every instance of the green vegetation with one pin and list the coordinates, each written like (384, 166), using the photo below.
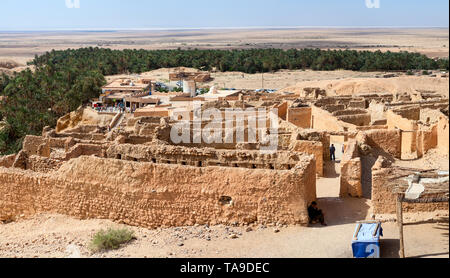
(111, 239)
(204, 91)
(37, 99)
(110, 62)
(64, 80)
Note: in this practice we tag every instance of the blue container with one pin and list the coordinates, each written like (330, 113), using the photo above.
(366, 240)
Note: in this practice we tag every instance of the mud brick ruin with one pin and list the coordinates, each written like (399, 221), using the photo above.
(127, 168)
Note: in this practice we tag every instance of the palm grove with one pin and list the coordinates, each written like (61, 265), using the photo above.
(63, 80)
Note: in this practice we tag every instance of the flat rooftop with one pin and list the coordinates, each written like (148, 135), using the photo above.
(126, 85)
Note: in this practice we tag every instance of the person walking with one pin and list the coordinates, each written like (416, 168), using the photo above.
(333, 152)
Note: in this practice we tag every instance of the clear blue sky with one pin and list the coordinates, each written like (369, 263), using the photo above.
(130, 14)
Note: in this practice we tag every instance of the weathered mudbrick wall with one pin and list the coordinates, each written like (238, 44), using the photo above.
(388, 140)
(324, 120)
(168, 154)
(153, 195)
(7, 161)
(351, 171)
(443, 135)
(300, 117)
(403, 120)
(313, 148)
(384, 201)
(42, 164)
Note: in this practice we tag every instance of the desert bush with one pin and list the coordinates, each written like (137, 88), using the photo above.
(111, 239)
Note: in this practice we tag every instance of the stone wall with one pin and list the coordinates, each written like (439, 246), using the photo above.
(443, 135)
(351, 172)
(313, 148)
(404, 120)
(384, 201)
(357, 119)
(282, 110)
(387, 140)
(42, 164)
(83, 116)
(153, 195)
(151, 113)
(31, 144)
(202, 157)
(300, 117)
(323, 120)
(418, 139)
(7, 161)
(84, 149)
(426, 140)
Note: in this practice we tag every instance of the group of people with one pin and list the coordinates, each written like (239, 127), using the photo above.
(117, 108)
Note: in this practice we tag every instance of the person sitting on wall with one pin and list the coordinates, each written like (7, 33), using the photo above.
(333, 152)
(316, 215)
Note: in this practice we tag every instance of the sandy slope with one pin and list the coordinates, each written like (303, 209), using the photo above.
(401, 84)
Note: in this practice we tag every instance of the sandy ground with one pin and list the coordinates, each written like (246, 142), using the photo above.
(430, 161)
(340, 82)
(359, 85)
(434, 42)
(58, 236)
(238, 80)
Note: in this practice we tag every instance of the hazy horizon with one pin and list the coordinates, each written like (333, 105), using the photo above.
(222, 28)
(65, 15)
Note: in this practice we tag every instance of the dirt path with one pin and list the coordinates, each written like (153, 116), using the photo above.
(55, 236)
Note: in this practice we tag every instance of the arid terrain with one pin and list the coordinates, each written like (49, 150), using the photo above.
(55, 236)
(22, 46)
(341, 82)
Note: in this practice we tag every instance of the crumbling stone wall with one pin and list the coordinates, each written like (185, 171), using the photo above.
(42, 164)
(300, 117)
(387, 140)
(202, 157)
(443, 134)
(323, 120)
(83, 116)
(417, 137)
(84, 149)
(351, 172)
(282, 110)
(31, 144)
(357, 117)
(314, 148)
(157, 195)
(7, 161)
(358, 103)
(383, 199)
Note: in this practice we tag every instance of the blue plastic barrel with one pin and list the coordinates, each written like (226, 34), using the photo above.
(366, 240)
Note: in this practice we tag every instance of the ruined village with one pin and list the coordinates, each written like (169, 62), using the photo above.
(160, 161)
